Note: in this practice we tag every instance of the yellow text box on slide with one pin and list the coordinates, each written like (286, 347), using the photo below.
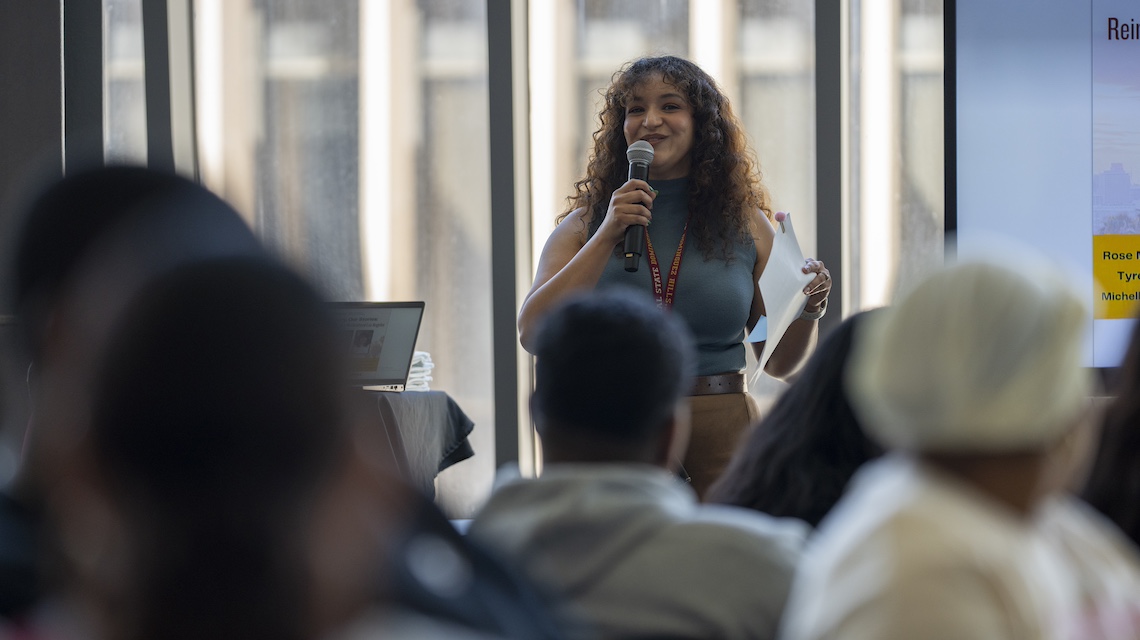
(1116, 269)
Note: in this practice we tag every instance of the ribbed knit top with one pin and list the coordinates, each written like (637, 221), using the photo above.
(712, 296)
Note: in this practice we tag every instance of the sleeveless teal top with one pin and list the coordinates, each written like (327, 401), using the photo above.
(713, 298)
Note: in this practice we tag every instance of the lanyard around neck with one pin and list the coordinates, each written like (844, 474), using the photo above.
(664, 294)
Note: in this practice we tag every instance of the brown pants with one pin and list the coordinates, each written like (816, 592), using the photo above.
(719, 422)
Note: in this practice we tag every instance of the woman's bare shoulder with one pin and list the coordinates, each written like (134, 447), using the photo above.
(575, 224)
(762, 229)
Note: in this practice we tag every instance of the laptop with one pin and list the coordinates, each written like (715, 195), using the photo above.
(380, 338)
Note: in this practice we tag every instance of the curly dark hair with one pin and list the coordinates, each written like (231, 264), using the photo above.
(724, 182)
(797, 461)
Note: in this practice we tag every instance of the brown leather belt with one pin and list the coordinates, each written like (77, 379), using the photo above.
(721, 383)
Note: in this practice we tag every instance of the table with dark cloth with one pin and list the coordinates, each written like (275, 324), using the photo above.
(426, 431)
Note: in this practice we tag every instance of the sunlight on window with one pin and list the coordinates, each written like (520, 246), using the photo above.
(353, 136)
(124, 108)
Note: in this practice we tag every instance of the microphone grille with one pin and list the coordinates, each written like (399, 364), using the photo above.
(639, 151)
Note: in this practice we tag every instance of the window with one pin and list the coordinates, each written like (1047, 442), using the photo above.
(124, 94)
(897, 175)
(354, 136)
(777, 104)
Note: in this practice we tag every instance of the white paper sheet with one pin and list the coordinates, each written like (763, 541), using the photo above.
(782, 286)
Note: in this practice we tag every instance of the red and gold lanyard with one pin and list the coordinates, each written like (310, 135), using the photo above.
(664, 295)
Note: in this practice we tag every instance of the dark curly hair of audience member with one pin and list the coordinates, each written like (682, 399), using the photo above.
(799, 458)
(1113, 485)
(725, 186)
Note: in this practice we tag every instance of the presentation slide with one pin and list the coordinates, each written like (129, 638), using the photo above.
(380, 341)
(1048, 137)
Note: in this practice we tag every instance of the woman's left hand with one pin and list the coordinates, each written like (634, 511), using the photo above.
(820, 287)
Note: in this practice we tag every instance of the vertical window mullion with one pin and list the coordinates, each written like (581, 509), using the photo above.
(82, 82)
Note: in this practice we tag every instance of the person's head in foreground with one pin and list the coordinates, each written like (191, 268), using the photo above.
(974, 380)
(67, 219)
(83, 245)
(606, 526)
(979, 370)
(612, 374)
(78, 246)
(219, 490)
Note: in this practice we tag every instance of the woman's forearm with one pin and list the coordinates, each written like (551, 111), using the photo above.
(793, 350)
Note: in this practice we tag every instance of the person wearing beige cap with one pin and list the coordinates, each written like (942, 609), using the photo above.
(974, 381)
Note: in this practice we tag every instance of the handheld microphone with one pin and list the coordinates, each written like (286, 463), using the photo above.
(640, 155)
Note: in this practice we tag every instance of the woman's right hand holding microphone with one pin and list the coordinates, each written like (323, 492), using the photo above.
(631, 204)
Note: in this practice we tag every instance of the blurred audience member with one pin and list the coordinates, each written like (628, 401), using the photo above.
(164, 220)
(798, 460)
(217, 489)
(218, 492)
(1113, 485)
(1103, 570)
(435, 571)
(1102, 541)
(150, 225)
(141, 220)
(608, 526)
(223, 487)
(975, 380)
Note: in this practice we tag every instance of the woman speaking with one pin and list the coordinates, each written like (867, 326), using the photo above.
(707, 238)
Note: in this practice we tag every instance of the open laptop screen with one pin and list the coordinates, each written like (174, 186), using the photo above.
(380, 338)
